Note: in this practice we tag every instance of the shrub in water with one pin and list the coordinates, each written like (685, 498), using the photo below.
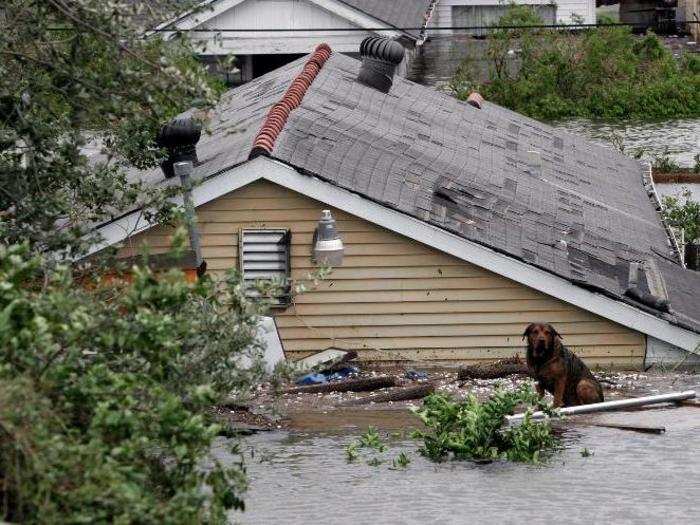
(470, 429)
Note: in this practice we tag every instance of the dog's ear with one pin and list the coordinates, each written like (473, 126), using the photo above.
(528, 330)
(554, 332)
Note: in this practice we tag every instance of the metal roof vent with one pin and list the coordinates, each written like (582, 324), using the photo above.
(475, 99)
(380, 57)
(179, 137)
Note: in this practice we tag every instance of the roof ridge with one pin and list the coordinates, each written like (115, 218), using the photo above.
(276, 118)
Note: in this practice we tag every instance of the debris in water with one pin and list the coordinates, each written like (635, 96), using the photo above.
(503, 368)
(365, 384)
(398, 394)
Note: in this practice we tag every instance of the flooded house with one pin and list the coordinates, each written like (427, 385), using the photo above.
(451, 225)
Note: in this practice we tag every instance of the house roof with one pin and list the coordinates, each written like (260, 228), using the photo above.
(583, 215)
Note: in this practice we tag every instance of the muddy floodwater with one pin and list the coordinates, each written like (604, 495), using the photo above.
(679, 138)
(302, 475)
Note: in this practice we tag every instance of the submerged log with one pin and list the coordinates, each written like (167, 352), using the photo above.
(365, 384)
(398, 394)
(503, 368)
(633, 428)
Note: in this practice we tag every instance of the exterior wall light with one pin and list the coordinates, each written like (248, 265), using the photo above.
(328, 246)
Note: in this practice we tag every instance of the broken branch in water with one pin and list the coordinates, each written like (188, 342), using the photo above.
(502, 368)
(399, 394)
(633, 428)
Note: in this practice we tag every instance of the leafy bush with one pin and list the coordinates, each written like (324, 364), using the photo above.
(81, 73)
(473, 430)
(663, 162)
(683, 214)
(104, 390)
(604, 72)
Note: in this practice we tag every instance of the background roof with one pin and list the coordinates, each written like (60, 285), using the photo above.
(398, 13)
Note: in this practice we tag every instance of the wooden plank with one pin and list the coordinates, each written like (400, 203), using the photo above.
(371, 249)
(238, 203)
(382, 296)
(288, 216)
(480, 341)
(627, 354)
(361, 273)
(553, 316)
(362, 237)
(423, 330)
(513, 305)
(454, 283)
(223, 225)
(263, 189)
(388, 260)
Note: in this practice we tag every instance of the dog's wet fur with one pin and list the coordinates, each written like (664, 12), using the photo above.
(558, 370)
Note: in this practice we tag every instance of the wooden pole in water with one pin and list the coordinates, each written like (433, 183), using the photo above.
(605, 406)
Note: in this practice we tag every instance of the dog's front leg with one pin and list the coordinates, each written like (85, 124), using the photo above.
(559, 389)
(540, 388)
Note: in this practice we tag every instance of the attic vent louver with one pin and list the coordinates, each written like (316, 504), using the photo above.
(264, 256)
(179, 137)
(380, 57)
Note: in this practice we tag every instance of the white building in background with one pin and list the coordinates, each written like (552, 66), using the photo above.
(260, 51)
(463, 13)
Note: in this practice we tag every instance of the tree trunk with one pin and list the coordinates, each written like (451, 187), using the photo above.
(398, 394)
(502, 368)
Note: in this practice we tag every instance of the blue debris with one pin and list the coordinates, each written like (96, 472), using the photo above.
(312, 379)
(415, 375)
(343, 373)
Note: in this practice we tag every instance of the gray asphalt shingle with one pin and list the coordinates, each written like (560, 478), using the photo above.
(397, 13)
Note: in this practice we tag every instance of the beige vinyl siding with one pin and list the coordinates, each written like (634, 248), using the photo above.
(394, 298)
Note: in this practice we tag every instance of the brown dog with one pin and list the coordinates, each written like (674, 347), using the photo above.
(558, 370)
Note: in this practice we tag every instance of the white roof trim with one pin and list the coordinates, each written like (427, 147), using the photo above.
(523, 273)
(195, 16)
(203, 13)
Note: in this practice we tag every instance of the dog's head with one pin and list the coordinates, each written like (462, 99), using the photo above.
(542, 339)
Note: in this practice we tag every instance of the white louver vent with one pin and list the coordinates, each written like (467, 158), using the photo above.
(264, 256)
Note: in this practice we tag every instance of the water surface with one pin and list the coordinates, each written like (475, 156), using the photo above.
(680, 136)
(303, 477)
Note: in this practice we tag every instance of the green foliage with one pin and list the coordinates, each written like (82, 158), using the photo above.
(683, 214)
(78, 72)
(372, 439)
(104, 390)
(585, 453)
(605, 73)
(401, 461)
(473, 430)
(664, 163)
(352, 451)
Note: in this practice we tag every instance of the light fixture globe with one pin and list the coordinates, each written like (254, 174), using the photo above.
(328, 246)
